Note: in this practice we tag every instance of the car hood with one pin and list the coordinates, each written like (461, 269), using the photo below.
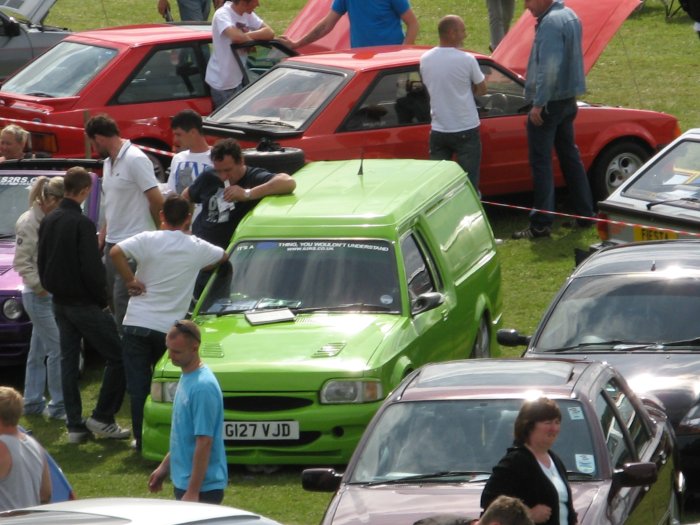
(311, 345)
(9, 279)
(672, 376)
(406, 504)
(308, 17)
(600, 20)
(33, 10)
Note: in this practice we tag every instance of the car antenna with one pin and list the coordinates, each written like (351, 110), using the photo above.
(362, 160)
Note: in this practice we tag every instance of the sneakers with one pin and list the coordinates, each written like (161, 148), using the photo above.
(107, 430)
(78, 436)
(532, 232)
(56, 415)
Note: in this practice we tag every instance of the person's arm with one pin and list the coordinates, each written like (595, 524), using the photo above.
(237, 36)
(25, 248)
(155, 204)
(280, 184)
(320, 30)
(45, 487)
(479, 89)
(412, 26)
(163, 6)
(155, 480)
(121, 264)
(200, 462)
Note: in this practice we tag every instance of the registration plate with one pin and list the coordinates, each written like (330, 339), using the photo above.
(260, 430)
(648, 234)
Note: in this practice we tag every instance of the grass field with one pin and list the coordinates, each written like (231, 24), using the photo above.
(652, 63)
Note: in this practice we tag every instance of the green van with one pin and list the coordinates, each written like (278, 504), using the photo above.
(369, 270)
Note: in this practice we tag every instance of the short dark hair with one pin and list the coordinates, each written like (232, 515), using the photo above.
(175, 210)
(532, 412)
(446, 24)
(506, 511)
(227, 147)
(76, 180)
(103, 125)
(187, 120)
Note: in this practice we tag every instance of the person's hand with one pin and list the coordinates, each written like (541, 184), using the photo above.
(234, 194)
(535, 115)
(135, 287)
(155, 480)
(190, 496)
(285, 40)
(540, 513)
(163, 6)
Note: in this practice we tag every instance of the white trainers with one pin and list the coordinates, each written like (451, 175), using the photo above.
(107, 430)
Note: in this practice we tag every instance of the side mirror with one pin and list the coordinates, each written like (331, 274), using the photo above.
(10, 27)
(320, 479)
(635, 475)
(427, 301)
(511, 337)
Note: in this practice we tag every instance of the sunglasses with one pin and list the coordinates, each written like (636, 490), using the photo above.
(184, 329)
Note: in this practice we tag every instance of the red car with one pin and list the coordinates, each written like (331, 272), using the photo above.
(370, 102)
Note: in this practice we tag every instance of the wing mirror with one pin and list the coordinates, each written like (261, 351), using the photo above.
(320, 479)
(511, 337)
(10, 27)
(635, 474)
(427, 301)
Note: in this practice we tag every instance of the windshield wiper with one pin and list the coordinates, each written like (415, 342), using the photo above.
(433, 475)
(7, 235)
(683, 342)
(650, 205)
(349, 306)
(270, 122)
(576, 475)
(633, 345)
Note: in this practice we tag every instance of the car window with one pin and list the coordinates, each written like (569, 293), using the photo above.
(674, 178)
(615, 310)
(63, 71)
(616, 412)
(308, 274)
(504, 94)
(284, 99)
(418, 272)
(471, 436)
(167, 74)
(394, 99)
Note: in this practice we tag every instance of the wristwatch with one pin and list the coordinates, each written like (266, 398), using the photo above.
(246, 193)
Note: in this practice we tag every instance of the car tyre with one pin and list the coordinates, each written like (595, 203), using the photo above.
(482, 342)
(614, 165)
(282, 160)
(158, 167)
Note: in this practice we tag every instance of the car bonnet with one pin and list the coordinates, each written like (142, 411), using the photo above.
(33, 10)
(308, 17)
(600, 20)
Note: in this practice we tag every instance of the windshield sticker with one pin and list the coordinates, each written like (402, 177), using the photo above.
(575, 413)
(585, 463)
(386, 299)
(318, 246)
(16, 181)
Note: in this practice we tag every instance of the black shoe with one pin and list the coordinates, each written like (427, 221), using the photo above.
(579, 224)
(532, 232)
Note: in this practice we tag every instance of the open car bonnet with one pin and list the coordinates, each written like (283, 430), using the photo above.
(600, 20)
(307, 18)
(33, 10)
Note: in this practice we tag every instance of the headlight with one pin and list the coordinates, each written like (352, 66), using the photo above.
(12, 309)
(341, 391)
(163, 391)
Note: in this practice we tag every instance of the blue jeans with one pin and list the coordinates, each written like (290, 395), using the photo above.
(193, 10)
(209, 496)
(142, 349)
(557, 131)
(44, 359)
(97, 327)
(464, 145)
(220, 97)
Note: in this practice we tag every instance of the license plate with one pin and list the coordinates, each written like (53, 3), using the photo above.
(261, 430)
(648, 234)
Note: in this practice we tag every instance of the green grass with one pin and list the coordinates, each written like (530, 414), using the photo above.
(651, 63)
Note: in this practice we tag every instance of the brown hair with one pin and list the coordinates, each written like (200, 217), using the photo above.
(76, 180)
(534, 411)
(506, 511)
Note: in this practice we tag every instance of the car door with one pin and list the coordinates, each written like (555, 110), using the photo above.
(630, 437)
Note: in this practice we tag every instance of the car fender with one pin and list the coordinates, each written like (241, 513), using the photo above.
(622, 131)
(402, 367)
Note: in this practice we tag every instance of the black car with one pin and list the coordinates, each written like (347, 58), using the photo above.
(434, 441)
(637, 307)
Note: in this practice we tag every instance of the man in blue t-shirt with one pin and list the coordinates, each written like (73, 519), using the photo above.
(197, 458)
(372, 23)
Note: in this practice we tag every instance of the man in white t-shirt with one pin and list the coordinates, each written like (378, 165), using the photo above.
(234, 22)
(453, 78)
(168, 261)
(132, 199)
(194, 151)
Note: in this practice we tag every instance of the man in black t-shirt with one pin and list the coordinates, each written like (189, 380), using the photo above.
(229, 190)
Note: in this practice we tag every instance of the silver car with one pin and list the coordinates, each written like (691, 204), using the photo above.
(23, 35)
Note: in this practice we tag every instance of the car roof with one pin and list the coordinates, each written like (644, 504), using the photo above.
(484, 378)
(144, 34)
(334, 194)
(368, 58)
(676, 257)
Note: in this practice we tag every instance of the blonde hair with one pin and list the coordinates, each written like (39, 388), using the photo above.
(11, 406)
(44, 188)
(20, 134)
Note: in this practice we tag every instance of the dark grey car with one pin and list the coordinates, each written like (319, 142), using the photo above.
(23, 35)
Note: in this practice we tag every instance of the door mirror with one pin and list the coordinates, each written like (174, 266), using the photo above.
(635, 474)
(10, 27)
(510, 337)
(320, 479)
(427, 301)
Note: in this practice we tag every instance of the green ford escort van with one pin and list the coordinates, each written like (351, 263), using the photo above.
(368, 271)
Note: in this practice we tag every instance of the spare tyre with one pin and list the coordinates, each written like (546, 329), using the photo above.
(273, 157)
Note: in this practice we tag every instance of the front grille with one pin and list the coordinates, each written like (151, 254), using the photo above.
(264, 403)
(304, 439)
